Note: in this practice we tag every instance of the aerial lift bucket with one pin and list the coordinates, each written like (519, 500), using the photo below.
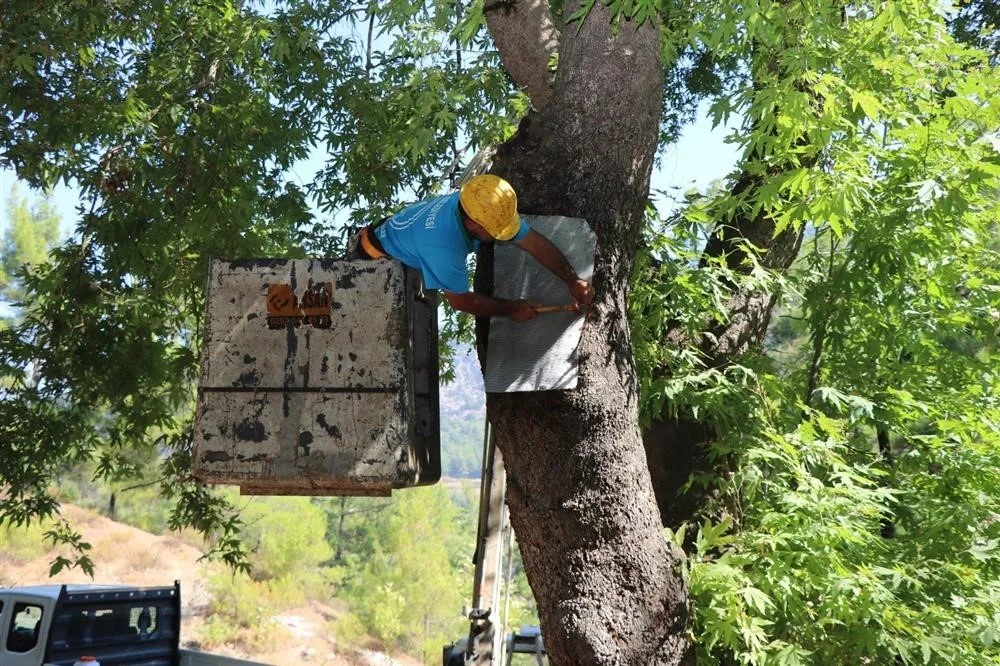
(318, 377)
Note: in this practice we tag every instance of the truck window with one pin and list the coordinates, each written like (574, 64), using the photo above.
(120, 623)
(24, 627)
(143, 620)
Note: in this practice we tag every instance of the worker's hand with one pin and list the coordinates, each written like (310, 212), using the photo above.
(523, 311)
(581, 291)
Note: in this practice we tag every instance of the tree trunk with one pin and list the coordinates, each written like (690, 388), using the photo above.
(581, 501)
(339, 555)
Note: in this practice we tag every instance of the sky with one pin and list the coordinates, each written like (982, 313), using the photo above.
(699, 157)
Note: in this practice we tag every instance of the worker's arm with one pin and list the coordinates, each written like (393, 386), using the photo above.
(548, 255)
(487, 306)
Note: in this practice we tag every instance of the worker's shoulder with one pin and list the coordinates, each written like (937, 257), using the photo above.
(430, 206)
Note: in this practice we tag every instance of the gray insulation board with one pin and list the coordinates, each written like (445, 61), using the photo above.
(539, 354)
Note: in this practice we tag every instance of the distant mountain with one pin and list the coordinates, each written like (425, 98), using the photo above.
(463, 413)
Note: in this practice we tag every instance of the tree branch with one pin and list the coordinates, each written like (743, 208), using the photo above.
(678, 447)
(527, 39)
(142, 485)
(819, 335)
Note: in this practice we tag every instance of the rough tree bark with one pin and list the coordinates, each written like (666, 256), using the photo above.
(526, 38)
(581, 501)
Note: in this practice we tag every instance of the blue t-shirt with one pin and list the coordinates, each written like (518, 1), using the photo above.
(430, 237)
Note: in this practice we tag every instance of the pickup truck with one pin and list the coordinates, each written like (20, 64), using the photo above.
(56, 625)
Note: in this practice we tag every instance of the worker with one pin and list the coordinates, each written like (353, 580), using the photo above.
(436, 235)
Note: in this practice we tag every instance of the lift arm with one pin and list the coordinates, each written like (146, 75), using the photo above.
(485, 637)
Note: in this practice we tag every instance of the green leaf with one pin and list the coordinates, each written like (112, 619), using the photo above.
(58, 564)
(869, 104)
(986, 550)
(756, 599)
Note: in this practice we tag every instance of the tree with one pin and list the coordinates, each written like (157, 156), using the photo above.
(978, 23)
(33, 231)
(604, 578)
(822, 454)
(865, 123)
(284, 548)
(409, 584)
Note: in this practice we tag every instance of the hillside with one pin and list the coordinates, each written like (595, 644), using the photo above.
(127, 555)
(463, 410)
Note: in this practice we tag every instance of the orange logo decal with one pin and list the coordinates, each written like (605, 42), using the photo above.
(314, 309)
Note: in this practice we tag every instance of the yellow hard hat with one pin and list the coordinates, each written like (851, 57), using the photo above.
(492, 203)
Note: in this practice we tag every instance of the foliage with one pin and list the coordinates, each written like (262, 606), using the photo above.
(181, 122)
(183, 125)
(33, 230)
(856, 514)
(287, 548)
(462, 448)
(798, 569)
(25, 541)
(281, 547)
(288, 553)
(463, 412)
(401, 565)
(407, 593)
(22, 543)
(242, 612)
(978, 23)
(866, 125)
